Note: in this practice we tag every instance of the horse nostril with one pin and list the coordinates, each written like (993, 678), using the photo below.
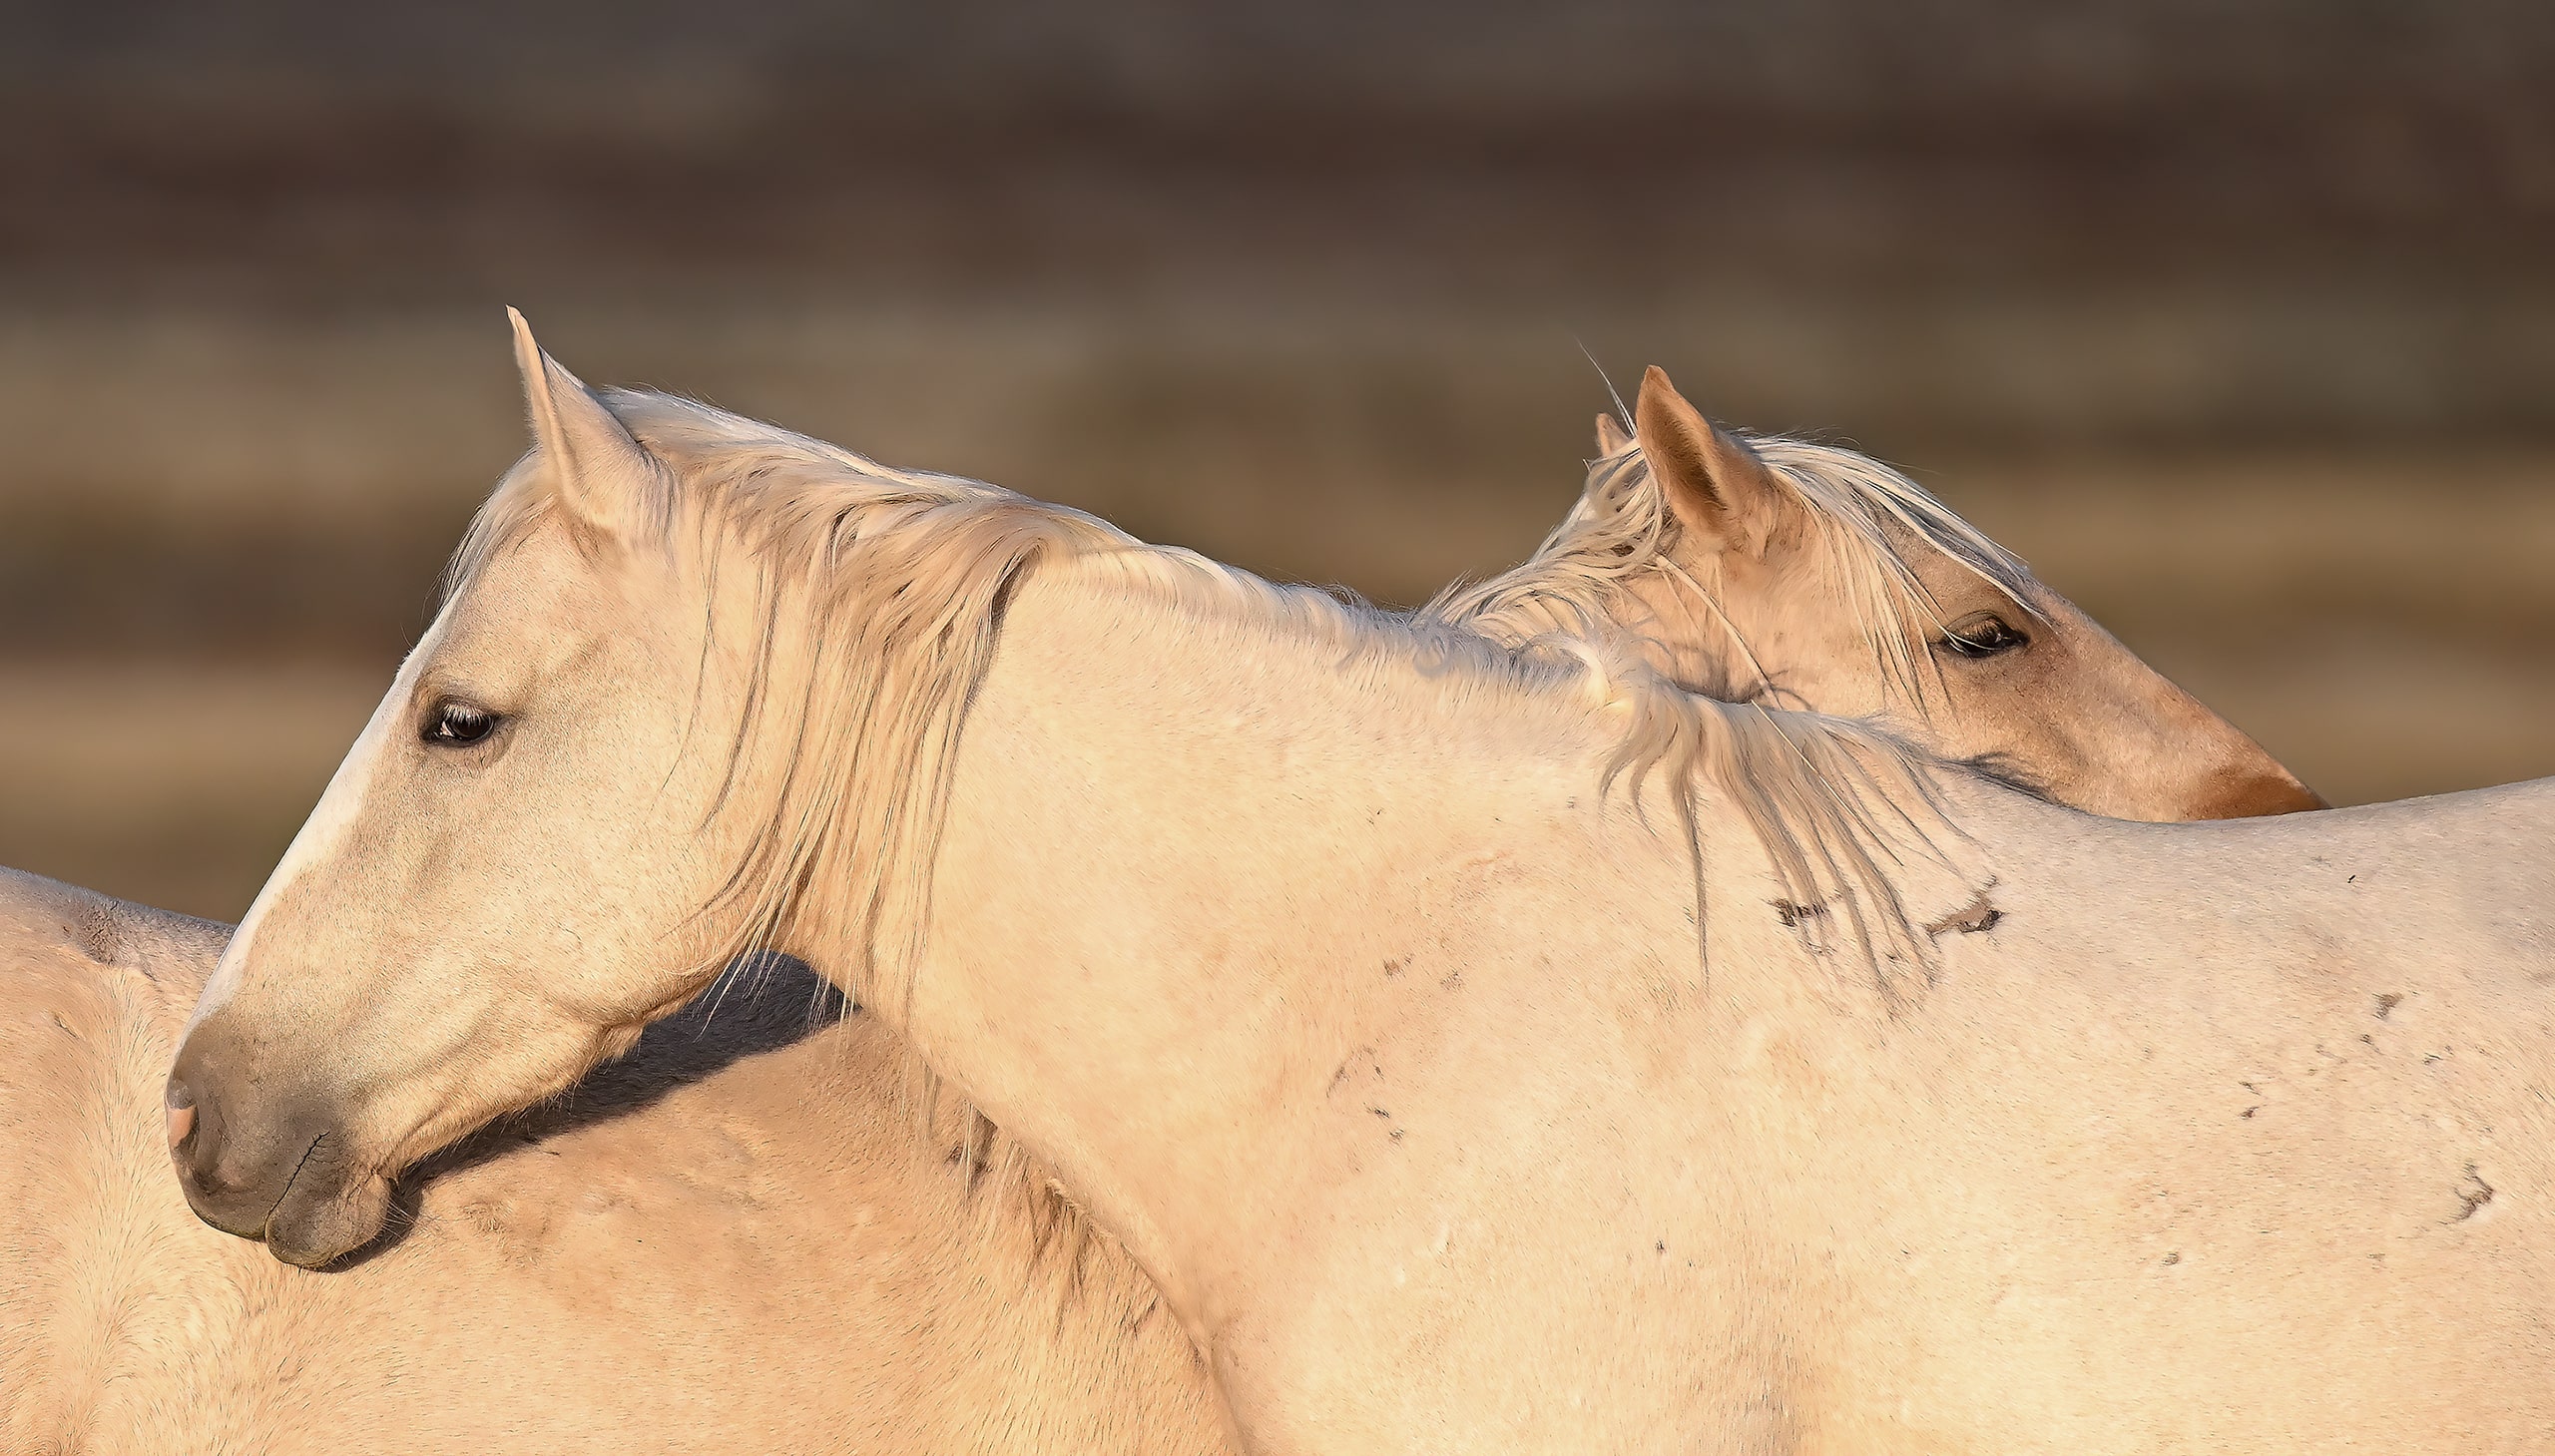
(182, 1113)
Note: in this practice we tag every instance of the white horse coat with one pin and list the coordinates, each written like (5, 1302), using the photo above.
(1786, 1094)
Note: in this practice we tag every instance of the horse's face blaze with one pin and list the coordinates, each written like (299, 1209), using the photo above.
(461, 930)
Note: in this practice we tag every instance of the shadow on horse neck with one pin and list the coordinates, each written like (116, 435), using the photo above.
(763, 1003)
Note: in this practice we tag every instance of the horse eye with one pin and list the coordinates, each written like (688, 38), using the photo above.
(457, 725)
(1980, 635)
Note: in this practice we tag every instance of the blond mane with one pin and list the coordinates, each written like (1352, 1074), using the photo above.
(898, 579)
(1864, 516)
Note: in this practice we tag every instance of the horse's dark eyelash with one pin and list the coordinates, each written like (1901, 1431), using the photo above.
(438, 728)
(1993, 637)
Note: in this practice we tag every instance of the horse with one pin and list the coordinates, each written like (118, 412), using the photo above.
(684, 1256)
(88, 1367)
(508, 1266)
(1478, 1049)
(1812, 577)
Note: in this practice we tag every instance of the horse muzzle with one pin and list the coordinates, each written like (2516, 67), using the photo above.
(262, 1165)
(2257, 795)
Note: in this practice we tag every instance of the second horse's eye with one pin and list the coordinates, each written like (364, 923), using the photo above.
(456, 724)
(1980, 635)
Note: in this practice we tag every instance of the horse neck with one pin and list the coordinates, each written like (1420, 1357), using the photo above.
(1185, 859)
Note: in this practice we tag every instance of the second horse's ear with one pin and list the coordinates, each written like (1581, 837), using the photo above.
(608, 482)
(1612, 437)
(1717, 486)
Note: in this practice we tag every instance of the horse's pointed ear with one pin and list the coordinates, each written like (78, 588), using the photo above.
(1717, 486)
(604, 479)
(1611, 435)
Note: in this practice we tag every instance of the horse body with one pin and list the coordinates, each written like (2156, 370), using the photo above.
(1686, 1115)
(677, 1218)
(2217, 1138)
(693, 1254)
(2160, 1154)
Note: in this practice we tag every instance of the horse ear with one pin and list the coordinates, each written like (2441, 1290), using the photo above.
(602, 476)
(1611, 436)
(1717, 486)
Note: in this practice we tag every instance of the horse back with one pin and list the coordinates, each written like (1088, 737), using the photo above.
(93, 992)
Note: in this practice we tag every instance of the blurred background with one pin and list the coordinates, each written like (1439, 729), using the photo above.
(2239, 322)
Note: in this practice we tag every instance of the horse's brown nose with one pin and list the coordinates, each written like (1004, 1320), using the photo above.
(182, 1113)
(231, 1187)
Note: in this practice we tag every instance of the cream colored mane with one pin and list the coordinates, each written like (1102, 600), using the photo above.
(1859, 510)
(897, 578)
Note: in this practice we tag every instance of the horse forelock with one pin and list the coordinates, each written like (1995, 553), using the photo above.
(1866, 512)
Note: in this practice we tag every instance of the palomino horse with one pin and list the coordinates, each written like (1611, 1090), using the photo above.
(1470, 1045)
(687, 1255)
(1806, 576)
(674, 1217)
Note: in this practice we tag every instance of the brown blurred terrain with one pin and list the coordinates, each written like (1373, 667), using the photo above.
(2240, 328)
